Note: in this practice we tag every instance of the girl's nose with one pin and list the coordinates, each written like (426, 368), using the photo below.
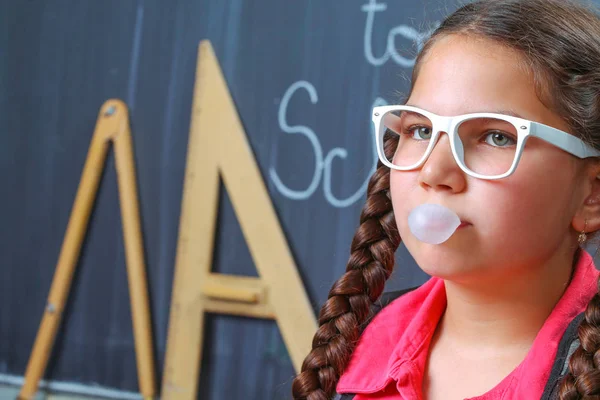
(440, 171)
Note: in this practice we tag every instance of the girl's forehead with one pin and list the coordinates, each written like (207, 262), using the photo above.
(474, 44)
(464, 75)
(461, 75)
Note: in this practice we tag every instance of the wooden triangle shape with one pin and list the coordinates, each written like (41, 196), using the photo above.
(218, 147)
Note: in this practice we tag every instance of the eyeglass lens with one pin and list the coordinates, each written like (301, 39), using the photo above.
(489, 144)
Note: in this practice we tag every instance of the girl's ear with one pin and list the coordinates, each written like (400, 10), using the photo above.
(587, 217)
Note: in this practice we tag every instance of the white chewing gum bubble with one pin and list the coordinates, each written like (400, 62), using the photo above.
(433, 223)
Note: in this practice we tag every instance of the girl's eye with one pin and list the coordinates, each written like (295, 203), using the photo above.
(500, 139)
(420, 132)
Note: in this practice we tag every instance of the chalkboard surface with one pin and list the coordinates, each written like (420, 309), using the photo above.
(304, 76)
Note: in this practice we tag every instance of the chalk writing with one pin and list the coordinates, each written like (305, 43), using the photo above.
(323, 163)
(403, 31)
(322, 166)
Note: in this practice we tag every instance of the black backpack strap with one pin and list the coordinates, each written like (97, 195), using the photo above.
(567, 346)
(383, 301)
(388, 297)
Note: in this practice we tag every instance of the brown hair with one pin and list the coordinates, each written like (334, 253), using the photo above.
(559, 41)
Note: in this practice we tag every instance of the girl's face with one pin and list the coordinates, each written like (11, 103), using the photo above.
(517, 222)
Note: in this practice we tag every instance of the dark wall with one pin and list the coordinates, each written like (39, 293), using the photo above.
(310, 67)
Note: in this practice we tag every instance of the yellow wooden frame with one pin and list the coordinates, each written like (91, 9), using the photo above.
(112, 126)
(218, 147)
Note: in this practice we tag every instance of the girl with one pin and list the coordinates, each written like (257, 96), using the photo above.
(502, 128)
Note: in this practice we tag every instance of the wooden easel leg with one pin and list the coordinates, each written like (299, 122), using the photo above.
(134, 252)
(193, 262)
(112, 124)
(68, 257)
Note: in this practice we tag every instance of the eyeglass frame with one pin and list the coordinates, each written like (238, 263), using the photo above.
(524, 128)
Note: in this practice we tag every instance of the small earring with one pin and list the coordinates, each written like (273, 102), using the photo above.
(582, 236)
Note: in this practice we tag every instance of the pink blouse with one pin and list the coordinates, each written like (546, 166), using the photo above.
(389, 360)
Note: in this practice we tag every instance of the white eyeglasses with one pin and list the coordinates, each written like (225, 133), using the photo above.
(484, 145)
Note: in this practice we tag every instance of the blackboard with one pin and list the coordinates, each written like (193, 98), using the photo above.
(304, 76)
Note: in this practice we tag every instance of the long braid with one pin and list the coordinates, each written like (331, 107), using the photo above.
(583, 378)
(350, 299)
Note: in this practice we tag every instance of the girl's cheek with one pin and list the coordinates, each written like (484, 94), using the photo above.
(400, 202)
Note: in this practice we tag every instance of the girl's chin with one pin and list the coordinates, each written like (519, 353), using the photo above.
(445, 262)
(447, 272)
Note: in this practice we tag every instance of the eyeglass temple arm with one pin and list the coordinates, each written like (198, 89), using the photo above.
(563, 140)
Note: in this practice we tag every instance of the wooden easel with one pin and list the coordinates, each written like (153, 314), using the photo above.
(112, 126)
(218, 147)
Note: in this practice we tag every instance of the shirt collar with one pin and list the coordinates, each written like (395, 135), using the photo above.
(405, 326)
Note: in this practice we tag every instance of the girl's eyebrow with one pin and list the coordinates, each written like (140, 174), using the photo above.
(507, 112)
(412, 114)
(501, 111)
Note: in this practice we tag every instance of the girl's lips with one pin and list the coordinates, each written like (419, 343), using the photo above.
(463, 224)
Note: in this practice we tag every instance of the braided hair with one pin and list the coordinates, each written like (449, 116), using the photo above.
(348, 306)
